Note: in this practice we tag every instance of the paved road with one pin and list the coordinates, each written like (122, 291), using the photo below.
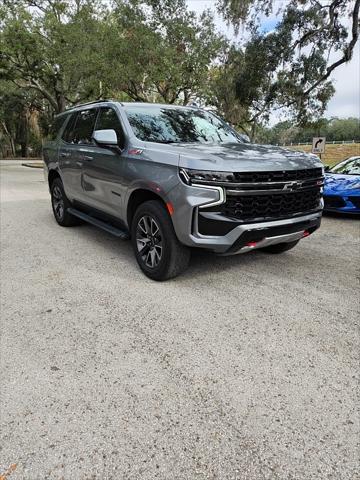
(244, 368)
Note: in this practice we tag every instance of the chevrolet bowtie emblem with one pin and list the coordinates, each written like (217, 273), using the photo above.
(292, 185)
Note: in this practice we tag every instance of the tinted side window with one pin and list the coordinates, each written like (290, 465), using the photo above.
(108, 119)
(84, 126)
(69, 129)
(56, 125)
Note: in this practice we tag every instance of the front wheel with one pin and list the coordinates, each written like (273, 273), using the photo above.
(158, 252)
(280, 247)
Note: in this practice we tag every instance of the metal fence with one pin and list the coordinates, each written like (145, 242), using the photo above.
(331, 142)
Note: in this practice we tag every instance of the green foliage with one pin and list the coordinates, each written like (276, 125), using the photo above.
(50, 48)
(18, 112)
(145, 50)
(238, 11)
(334, 129)
(220, 89)
(167, 51)
(288, 68)
(57, 53)
(68, 52)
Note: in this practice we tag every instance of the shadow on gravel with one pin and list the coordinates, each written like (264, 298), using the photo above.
(93, 242)
(203, 263)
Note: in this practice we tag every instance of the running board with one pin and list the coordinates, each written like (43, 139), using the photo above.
(99, 223)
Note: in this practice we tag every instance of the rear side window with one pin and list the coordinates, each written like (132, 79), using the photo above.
(80, 127)
(108, 119)
(55, 127)
(69, 129)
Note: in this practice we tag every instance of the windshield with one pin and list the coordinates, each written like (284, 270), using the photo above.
(348, 167)
(175, 125)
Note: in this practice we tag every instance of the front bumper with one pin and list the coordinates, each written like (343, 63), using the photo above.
(257, 235)
(188, 201)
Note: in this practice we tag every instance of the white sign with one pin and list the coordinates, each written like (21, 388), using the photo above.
(318, 145)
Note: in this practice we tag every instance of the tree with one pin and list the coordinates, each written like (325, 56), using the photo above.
(167, 53)
(19, 112)
(53, 48)
(289, 68)
(220, 89)
(342, 129)
(77, 50)
(334, 129)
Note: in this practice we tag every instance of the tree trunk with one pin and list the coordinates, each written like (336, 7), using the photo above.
(253, 131)
(12, 146)
(61, 102)
(22, 137)
(11, 139)
(24, 149)
(186, 97)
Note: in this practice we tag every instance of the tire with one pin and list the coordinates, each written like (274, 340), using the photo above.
(158, 252)
(60, 204)
(280, 247)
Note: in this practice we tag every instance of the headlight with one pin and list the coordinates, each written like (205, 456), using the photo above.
(190, 176)
(355, 186)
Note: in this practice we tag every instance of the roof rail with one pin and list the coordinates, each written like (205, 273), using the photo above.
(89, 103)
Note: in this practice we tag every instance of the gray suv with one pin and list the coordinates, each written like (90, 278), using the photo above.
(173, 178)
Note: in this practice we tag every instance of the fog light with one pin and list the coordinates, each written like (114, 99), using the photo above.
(251, 244)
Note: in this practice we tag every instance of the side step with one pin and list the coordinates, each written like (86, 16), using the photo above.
(99, 223)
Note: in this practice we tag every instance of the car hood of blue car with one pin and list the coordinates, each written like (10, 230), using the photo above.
(338, 183)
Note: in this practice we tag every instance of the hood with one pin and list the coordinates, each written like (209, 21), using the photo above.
(338, 182)
(234, 157)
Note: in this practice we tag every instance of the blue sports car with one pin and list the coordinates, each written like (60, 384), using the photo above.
(342, 187)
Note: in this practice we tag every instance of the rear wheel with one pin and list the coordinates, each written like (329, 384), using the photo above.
(60, 204)
(280, 247)
(158, 252)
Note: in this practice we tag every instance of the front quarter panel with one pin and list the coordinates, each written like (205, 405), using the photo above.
(153, 169)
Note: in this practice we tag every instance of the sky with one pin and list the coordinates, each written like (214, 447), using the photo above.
(346, 100)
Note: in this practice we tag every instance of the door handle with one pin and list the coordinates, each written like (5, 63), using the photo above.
(65, 154)
(88, 158)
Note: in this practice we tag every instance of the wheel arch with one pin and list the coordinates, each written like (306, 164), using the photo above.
(52, 175)
(139, 196)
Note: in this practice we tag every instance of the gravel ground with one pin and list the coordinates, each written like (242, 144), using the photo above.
(243, 368)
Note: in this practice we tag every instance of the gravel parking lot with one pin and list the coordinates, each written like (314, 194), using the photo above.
(243, 368)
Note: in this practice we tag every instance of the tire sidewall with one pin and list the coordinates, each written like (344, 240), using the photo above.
(58, 183)
(159, 215)
(67, 220)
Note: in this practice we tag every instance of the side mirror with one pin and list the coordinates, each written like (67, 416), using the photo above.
(326, 168)
(105, 137)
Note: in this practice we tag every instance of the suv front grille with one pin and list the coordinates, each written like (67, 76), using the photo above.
(259, 196)
(270, 206)
(280, 176)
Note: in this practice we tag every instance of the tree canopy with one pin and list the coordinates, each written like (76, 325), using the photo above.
(334, 129)
(58, 53)
(289, 67)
